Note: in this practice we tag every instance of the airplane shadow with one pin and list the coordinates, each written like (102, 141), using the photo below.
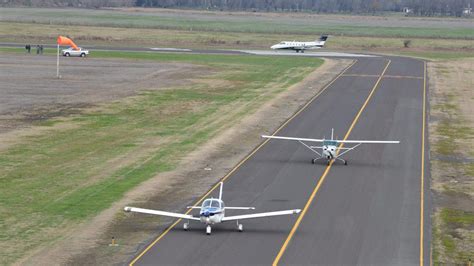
(219, 229)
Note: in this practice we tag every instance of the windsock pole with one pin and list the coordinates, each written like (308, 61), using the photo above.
(57, 63)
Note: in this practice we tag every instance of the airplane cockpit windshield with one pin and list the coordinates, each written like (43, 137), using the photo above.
(211, 203)
(330, 143)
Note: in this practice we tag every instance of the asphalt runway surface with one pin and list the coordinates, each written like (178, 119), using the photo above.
(313, 53)
(366, 213)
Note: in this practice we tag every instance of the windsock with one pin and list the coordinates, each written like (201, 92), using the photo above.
(66, 41)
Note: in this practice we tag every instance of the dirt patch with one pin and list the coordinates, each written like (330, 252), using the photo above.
(31, 88)
(31, 93)
(451, 127)
(88, 244)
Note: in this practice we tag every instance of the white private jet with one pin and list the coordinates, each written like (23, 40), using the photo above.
(300, 46)
(329, 149)
(212, 211)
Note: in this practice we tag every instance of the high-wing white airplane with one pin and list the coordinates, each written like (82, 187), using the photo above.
(300, 46)
(329, 149)
(212, 211)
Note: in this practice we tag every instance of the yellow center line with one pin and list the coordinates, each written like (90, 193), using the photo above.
(422, 178)
(239, 164)
(323, 177)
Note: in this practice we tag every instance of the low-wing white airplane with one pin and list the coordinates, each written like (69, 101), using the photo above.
(329, 149)
(212, 211)
(300, 46)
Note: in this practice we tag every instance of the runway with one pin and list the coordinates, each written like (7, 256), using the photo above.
(314, 53)
(373, 211)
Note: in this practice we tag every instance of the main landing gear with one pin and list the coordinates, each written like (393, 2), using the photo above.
(240, 227)
(186, 226)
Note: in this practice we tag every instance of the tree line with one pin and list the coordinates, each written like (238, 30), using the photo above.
(416, 7)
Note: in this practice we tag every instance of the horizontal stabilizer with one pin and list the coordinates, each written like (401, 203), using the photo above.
(323, 38)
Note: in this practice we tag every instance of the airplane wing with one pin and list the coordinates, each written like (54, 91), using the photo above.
(260, 215)
(338, 141)
(161, 213)
(240, 208)
(290, 138)
(369, 141)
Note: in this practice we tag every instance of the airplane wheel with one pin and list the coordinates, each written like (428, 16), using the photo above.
(313, 161)
(185, 226)
(241, 227)
(329, 162)
(208, 230)
(345, 162)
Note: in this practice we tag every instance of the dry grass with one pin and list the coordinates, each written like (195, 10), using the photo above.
(452, 159)
(143, 37)
(68, 176)
(172, 190)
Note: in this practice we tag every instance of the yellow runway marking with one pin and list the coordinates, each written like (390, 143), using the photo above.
(422, 178)
(239, 164)
(323, 177)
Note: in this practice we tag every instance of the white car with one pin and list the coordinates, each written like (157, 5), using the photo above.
(71, 52)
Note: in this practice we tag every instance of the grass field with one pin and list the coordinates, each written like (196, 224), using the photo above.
(200, 29)
(58, 179)
(135, 37)
(452, 168)
(241, 23)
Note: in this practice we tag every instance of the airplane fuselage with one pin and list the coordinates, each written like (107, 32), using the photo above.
(329, 151)
(213, 218)
(287, 45)
(212, 211)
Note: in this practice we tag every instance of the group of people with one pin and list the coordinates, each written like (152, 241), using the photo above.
(39, 48)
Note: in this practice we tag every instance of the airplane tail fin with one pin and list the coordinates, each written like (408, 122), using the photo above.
(323, 38)
(220, 191)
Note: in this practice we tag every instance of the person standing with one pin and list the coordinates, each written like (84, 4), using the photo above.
(28, 48)
(37, 49)
(41, 49)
